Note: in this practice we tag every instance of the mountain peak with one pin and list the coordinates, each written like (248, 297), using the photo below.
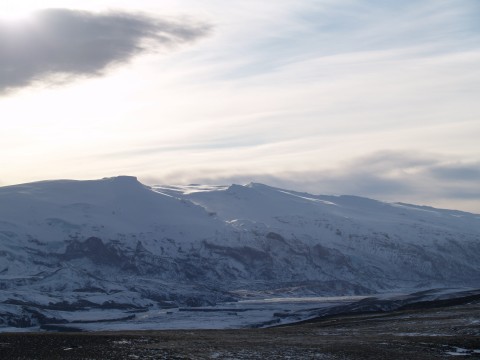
(122, 179)
(257, 185)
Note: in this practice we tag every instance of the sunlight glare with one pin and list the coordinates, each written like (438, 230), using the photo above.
(16, 16)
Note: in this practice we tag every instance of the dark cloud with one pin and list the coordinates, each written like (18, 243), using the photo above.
(458, 172)
(77, 43)
(394, 176)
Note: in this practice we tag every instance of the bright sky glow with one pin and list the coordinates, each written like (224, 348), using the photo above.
(348, 96)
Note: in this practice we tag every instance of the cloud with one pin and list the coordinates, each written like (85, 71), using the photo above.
(73, 43)
(303, 30)
(399, 174)
(457, 172)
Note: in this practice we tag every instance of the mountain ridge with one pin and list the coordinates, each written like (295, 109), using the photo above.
(118, 243)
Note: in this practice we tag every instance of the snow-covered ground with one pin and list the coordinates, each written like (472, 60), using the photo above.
(119, 246)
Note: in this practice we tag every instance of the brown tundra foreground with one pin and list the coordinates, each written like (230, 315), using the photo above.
(438, 333)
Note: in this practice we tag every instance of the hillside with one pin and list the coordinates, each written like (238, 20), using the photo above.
(117, 244)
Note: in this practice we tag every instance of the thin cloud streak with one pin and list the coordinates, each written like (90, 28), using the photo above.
(62, 45)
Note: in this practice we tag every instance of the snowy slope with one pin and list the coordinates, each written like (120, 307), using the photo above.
(120, 245)
(355, 238)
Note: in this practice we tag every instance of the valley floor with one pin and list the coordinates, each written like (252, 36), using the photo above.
(438, 333)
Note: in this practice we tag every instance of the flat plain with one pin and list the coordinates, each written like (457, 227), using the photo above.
(437, 333)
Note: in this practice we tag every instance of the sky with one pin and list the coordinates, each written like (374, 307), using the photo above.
(365, 97)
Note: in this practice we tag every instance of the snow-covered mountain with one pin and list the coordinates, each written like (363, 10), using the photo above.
(118, 244)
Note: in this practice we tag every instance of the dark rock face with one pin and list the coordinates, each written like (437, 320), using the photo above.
(274, 236)
(245, 255)
(217, 265)
(94, 249)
